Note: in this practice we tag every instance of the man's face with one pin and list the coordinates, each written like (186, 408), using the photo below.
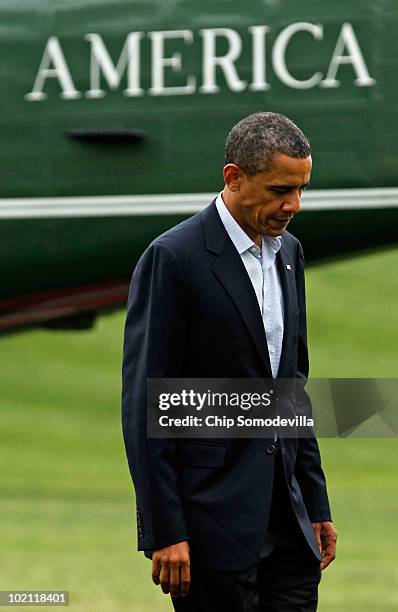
(267, 201)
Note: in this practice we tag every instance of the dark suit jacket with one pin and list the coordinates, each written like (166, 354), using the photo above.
(193, 313)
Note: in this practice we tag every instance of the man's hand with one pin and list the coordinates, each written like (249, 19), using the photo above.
(326, 536)
(171, 569)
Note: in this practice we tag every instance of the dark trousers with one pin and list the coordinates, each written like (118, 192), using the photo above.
(285, 579)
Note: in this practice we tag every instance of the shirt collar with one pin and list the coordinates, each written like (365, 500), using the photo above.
(239, 237)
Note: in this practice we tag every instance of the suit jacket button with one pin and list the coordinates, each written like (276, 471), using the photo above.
(270, 449)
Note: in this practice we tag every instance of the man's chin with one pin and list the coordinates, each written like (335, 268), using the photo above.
(274, 233)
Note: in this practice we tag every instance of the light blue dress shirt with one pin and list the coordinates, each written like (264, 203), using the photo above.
(261, 267)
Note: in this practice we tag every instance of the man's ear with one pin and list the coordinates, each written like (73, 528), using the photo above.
(233, 176)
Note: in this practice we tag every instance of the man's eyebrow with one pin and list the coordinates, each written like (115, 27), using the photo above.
(276, 186)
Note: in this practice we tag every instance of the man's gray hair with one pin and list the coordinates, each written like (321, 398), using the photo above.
(253, 142)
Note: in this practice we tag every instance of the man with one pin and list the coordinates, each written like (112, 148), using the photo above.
(230, 524)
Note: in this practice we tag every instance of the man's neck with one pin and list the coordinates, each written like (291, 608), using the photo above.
(257, 238)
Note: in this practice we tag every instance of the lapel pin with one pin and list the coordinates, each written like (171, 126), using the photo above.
(288, 267)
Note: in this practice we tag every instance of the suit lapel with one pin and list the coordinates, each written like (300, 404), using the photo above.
(230, 271)
(287, 278)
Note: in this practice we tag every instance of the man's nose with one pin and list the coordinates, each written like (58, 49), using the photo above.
(292, 202)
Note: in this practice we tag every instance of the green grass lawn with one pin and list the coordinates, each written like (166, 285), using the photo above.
(66, 508)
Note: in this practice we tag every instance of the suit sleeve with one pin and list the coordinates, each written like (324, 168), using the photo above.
(308, 469)
(154, 345)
